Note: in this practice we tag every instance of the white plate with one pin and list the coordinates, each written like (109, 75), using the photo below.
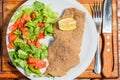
(89, 42)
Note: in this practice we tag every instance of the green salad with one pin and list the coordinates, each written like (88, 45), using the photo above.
(30, 25)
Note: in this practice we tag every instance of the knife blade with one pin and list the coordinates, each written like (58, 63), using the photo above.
(107, 39)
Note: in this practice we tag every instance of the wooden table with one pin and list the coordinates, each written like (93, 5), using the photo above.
(6, 69)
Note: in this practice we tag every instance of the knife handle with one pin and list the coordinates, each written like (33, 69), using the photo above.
(107, 55)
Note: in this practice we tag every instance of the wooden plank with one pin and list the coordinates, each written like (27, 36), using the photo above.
(115, 42)
(0, 13)
(11, 74)
(118, 13)
(0, 30)
(8, 71)
(8, 11)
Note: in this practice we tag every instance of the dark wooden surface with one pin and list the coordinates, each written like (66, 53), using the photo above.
(7, 71)
(0, 30)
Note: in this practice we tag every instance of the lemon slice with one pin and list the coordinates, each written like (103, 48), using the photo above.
(67, 24)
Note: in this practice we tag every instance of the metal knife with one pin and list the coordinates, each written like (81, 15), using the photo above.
(107, 39)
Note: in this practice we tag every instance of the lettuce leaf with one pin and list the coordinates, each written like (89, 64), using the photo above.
(30, 24)
(38, 6)
(39, 53)
(39, 16)
(43, 52)
(22, 46)
(22, 54)
(14, 55)
(17, 15)
(27, 10)
(20, 39)
(49, 14)
(29, 70)
(18, 32)
(48, 31)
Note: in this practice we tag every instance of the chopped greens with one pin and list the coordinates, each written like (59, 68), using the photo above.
(38, 6)
(30, 25)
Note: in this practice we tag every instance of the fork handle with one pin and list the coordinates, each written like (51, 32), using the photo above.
(97, 67)
(107, 55)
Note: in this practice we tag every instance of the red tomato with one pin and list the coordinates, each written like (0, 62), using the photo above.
(24, 29)
(37, 44)
(29, 42)
(20, 22)
(41, 24)
(33, 65)
(40, 64)
(34, 42)
(10, 46)
(33, 15)
(12, 37)
(32, 60)
(14, 27)
(41, 35)
(26, 17)
(37, 64)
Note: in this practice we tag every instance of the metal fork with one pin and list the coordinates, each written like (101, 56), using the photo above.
(96, 9)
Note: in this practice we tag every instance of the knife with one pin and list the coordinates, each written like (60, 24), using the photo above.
(107, 39)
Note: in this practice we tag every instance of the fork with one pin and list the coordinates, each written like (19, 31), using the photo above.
(96, 9)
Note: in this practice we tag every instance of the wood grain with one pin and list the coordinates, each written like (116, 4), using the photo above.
(9, 8)
(0, 23)
(0, 31)
(107, 55)
(10, 72)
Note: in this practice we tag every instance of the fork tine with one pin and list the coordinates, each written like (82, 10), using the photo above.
(91, 7)
(96, 9)
(101, 6)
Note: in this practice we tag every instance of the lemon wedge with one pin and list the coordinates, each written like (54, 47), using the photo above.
(67, 24)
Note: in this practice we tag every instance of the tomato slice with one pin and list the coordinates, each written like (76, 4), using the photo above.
(10, 46)
(14, 27)
(20, 22)
(26, 17)
(41, 24)
(40, 64)
(24, 29)
(33, 65)
(29, 42)
(37, 41)
(32, 60)
(12, 37)
(25, 36)
(41, 35)
(33, 15)
(37, 44)
(37, 64)
(34, 42)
